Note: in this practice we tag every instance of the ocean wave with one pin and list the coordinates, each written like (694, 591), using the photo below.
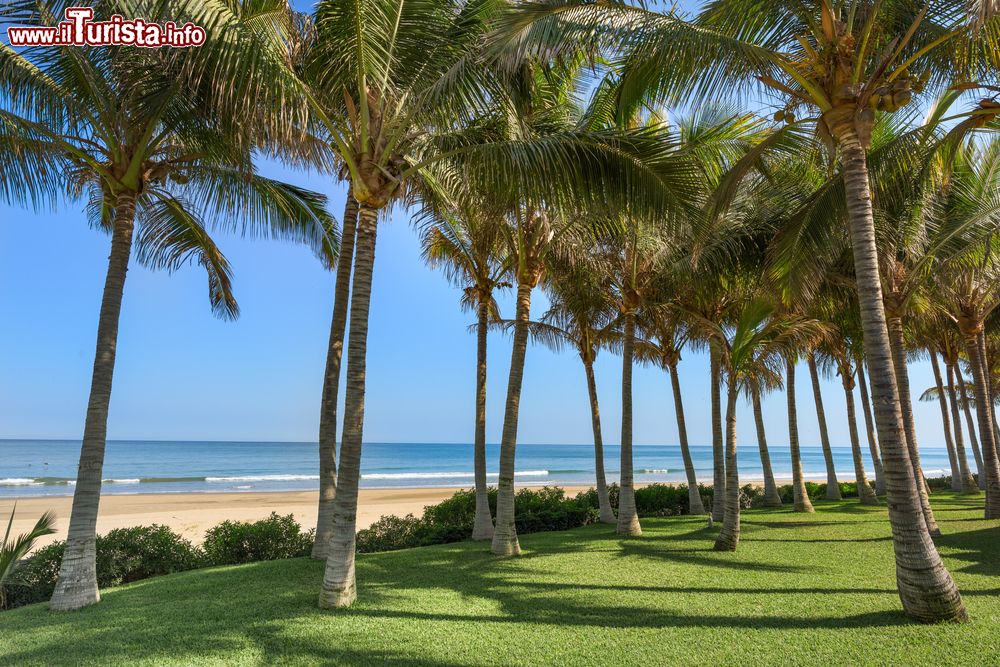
(263, 478)
(654, 471)
(19, 481)
(447, 475)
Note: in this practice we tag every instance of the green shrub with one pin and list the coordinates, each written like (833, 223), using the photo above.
(130, 554)
(390, 533)
(233, 542)
(123, 555)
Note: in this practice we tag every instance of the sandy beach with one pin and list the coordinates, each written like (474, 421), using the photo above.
(190, 514)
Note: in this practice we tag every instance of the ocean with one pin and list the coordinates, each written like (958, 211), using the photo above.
(48, 467)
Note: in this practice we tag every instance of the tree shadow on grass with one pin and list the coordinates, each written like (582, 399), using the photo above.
(978, 548)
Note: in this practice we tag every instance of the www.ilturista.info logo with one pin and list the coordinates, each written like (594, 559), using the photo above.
(79, 30)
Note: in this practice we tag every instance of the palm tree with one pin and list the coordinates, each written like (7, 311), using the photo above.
(400, 88)
(866, 409)
(771, 496)
(751, 350)
(832, 485)
(838, 64)
(467, 244)
(664, 336)
(149, 142)
(580, 317)
(971, 425)
(331, 383)
(13, 549)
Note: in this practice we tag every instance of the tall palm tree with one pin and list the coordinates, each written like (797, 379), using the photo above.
(752, 349)
(580, 317)
(836, 64)
(664, 336)
(147, 140)
(832, 485)
(866, 409)
(971, 425)
(467, 244)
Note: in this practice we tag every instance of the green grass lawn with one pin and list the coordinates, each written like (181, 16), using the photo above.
(801, 589)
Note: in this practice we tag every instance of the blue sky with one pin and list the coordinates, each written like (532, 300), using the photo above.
(181, 374)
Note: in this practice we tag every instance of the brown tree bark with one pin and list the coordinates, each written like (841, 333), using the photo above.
(339, 587)
(718, 453)
(482, 528)
(729, 536)
(956, 477)
(968, 483)
(800, 496)
(606, 514)
(77, 583)
(865, 493)
(926, 589)
(694, 495)
(505, 534)
(331, 383)
(832, 485)
(873, 449)
(970, 422)
(984, 412)
(628, 517)
(771, 497)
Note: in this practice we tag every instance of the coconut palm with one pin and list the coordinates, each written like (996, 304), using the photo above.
(664, 337)
(580, 317)
(866, 409)
(466, 243)
(832, 485)
(752, 348)
(137, 134)
(838, 64)
(13, 549)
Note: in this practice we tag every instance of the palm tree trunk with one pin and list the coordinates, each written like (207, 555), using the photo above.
(718, 454)
(965, 475)
(800, 496)
(607, 515)
(482, 528)
(971, 424)
(894, 326)
(339, 587)
(985, 414)
(628, 518)
(729, 536)
(865, 493)
(694, 494)
(926, 589)
(832, 485)
(331, 384)
(771, 496)
(866, 407)
(77, 583)
(956, 477)
(505, 535)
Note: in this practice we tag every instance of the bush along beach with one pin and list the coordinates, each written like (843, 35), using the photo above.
(130, 554)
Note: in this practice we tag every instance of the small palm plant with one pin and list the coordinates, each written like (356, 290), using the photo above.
(14, 549)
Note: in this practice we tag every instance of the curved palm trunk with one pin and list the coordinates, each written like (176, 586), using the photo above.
(729, 536)
(331, 384)
(718, 454)
(865, 493)
(505, 535)
(607, 515)
(800, 497)
(694, 494)
(968, 483)
(771, 497)
(77, 583)
(866, 407)
(482, 528)
(971, 424)
(956, 477)
(628, 518)
(832, 485)
(339, 588)
(985, 414)
(898, 353)
(926, 589)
